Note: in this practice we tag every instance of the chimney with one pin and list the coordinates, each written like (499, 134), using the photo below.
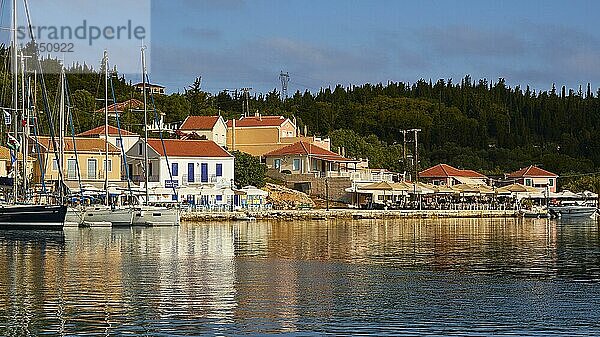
(305, 130)
(343, 152)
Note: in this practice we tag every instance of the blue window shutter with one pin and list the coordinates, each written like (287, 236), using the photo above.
(190, 172)
(204, 172)
(219, 170)
(175, 169)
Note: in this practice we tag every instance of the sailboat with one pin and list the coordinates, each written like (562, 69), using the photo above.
(107, 214)
(145, 214)
(19, 213)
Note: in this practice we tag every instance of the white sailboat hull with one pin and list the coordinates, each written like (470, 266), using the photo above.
(102, 216)
(155, 216)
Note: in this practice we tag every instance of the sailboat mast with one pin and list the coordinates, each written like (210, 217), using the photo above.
(15, 94)
(145, 123)
(61, 129)
(26, 121)
(106, 127)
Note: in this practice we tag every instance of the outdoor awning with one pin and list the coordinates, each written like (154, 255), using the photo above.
(566, 194)
(251, 190)
(468, 181)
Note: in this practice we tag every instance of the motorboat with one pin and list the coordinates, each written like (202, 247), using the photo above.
(572, 209)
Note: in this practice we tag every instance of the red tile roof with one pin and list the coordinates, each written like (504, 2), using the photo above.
(254, 121)
(128, 104)
(305, 149)
(188, 148)
(445, 171)
(531, 171)
(112, 131)
(199, 123)
(83, 144)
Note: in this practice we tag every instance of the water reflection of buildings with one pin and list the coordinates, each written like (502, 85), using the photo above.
(254, 276)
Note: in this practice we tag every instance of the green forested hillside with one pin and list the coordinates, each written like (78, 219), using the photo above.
(480, 125)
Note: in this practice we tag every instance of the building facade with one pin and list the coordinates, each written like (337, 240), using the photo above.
(258, 135)
(535, 177)
(152, 88)
(125, 138)
(306, 158)
(208, 127)
(84, 161)
(443, 174)
(181, 163)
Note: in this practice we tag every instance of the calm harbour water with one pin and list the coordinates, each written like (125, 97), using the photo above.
(403, 277)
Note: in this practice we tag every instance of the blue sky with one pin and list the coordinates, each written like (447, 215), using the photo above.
(238, 43)
(246, 43)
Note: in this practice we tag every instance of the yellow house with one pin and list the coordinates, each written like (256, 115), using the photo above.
(258, 135)
(90, 160)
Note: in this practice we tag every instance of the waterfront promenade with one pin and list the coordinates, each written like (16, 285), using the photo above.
(321, 214)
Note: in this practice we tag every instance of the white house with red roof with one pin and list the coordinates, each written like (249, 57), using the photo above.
(443, 174)
(209, 127)
(116, 138)
(535, 177)
(175, 162)
(306, 158)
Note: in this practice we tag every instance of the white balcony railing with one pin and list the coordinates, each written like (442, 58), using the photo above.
(197, 179)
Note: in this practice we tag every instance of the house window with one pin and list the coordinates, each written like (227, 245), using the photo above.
(150, 170)
(296, 166)
(175, 169)
(140, 147)
(277, 164)
(92, 168)
(190, 178)
(118, 142)
(550, 182)
(109, 169)
(219, 170)
(204, 172)
(527, 182)
(219, 198)
(315, 165)
(54, 164)
(71, 168)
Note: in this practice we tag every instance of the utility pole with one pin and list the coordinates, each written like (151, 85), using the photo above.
(416, 154)
(285, 79)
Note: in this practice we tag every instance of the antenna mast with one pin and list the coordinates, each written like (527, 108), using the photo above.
(285, 79)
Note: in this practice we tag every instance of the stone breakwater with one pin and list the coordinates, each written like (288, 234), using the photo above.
(345, 214)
